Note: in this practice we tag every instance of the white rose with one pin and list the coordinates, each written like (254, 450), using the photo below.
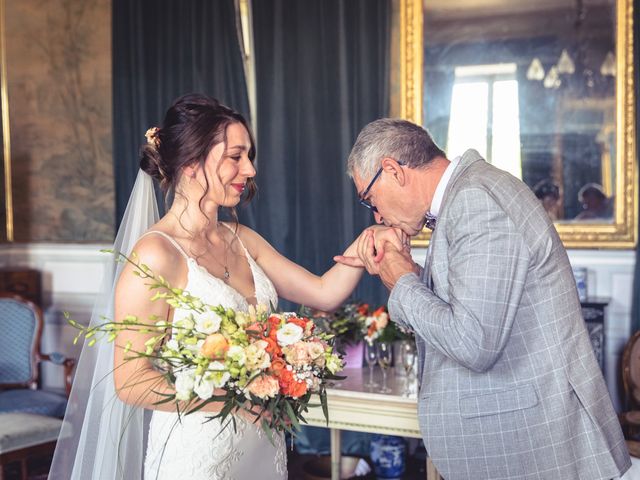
(172, 345)
(289, 334)
(236, 354)
(208, 323)
(185, 381)
(203, 387)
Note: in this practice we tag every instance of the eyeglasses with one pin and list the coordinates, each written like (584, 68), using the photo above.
(363, 196)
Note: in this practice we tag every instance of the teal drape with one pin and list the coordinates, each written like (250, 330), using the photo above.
(161, 50)
(322, 74)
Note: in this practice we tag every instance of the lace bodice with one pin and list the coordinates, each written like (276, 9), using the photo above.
(193, 448)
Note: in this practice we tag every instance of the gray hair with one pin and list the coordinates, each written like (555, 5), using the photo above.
(405, 142)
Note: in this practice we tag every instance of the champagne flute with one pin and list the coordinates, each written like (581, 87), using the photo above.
(371, 356)
(408, 352)
(385, 355)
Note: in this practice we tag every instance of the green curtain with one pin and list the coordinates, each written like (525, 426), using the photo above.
(321, 75)
(161, 50)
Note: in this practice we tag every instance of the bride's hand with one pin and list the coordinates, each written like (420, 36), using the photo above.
(370, 247)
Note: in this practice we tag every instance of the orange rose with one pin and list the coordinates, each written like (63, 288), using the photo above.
(274, 322)
(272, 347)
(277, 366)
(214, 346)
(363, 309)
(301, 322)
(290, 386)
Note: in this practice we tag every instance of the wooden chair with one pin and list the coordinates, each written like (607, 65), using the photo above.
(630, 419)
(29, 416)
(21, 323)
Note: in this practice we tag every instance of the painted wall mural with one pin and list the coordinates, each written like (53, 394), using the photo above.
(59, 83)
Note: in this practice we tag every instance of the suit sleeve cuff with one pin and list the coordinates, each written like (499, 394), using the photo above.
(399, 296)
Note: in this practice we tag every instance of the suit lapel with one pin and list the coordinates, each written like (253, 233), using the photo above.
(469, 157)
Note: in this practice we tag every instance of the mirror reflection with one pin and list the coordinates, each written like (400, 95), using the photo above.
(531, 86)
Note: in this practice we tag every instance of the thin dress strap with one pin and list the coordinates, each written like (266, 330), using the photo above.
(171, 239)
(246, 252)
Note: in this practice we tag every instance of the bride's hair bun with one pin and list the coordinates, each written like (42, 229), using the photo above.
(151, 160)
(192, 126)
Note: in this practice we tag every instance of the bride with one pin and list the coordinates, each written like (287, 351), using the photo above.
(203, 154)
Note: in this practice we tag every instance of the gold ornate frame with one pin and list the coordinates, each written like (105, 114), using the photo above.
(622, 232)
(6, 130)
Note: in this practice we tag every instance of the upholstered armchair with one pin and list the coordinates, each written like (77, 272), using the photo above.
(21, 324)
(630, 419)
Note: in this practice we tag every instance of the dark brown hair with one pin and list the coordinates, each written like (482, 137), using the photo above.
(192, 126)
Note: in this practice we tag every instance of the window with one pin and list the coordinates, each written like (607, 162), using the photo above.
(485, 115)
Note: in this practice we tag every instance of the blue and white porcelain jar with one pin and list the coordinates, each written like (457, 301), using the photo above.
(388, 456)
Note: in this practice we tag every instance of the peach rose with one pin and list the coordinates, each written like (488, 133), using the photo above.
(297, 354)
(315, 349)
(254, 329)
(215, 346)
(264, 386)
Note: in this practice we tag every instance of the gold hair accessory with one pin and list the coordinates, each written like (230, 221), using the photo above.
(152, 136)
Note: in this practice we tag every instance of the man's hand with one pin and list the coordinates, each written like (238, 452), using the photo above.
(394, 264)
(370, 247)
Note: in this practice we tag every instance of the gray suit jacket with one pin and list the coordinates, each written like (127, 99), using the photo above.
(510, 387)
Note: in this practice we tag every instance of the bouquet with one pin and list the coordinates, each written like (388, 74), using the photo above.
(244, 360)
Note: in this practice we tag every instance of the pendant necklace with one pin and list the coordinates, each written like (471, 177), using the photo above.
(227, 274)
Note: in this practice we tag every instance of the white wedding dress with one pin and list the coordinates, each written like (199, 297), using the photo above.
(194, 449)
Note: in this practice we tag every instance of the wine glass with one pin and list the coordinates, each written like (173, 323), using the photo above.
(408, 354)
(371, 356)
(385, 356)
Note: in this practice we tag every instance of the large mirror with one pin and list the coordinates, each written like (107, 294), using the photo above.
(544, 90)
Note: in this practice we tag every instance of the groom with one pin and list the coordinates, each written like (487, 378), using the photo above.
(510, 387)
